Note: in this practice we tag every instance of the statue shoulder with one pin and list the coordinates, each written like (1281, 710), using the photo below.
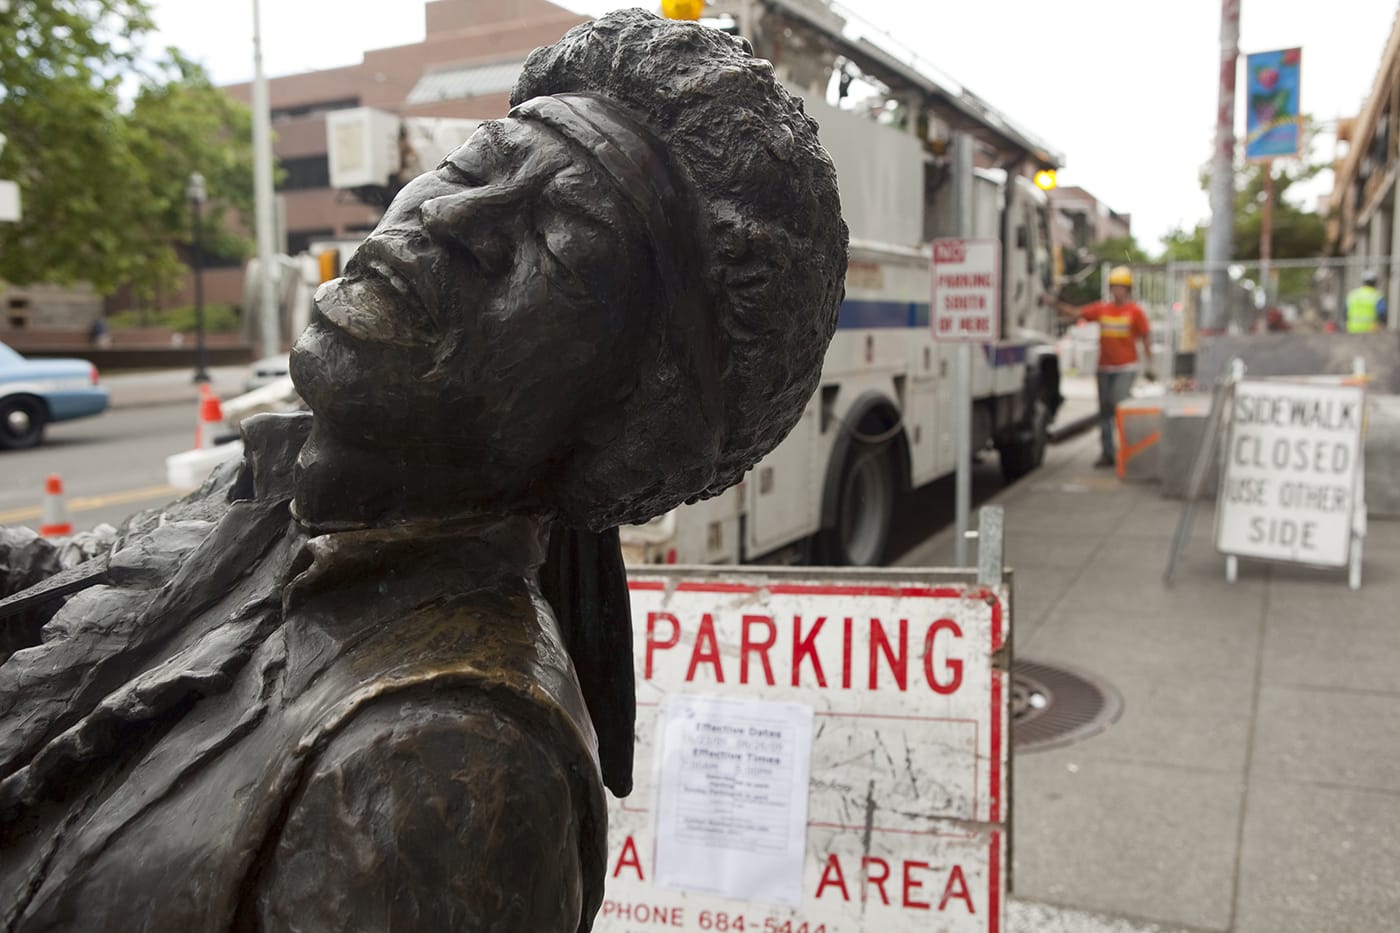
(428, 810)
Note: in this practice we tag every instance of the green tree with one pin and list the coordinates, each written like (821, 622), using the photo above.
(102, 180)
(1298, 233)
(1084, 270)
(178, 124)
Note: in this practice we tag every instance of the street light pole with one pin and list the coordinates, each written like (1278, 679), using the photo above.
(1220, 235)
(269, 317)
(197, 196)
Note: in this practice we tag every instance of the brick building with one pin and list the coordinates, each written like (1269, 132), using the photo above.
(465, 66)
(1080, 220)
(1364, 210)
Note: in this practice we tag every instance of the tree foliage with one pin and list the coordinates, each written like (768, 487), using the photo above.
(102, 140)
(1084, 270)
(1298, 233)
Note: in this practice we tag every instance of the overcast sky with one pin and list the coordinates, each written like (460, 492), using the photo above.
(1126, 89)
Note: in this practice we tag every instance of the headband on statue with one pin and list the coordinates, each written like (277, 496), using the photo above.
(634, 160)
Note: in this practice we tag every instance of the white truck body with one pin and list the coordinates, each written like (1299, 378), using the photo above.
(883, 418)
(369, 148)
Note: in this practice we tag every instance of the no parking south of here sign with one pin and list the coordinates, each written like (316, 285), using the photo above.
(966, 290)
(817, 752)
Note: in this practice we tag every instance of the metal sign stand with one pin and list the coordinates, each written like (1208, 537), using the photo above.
(1358, 517)
(1232, 563)
(1209, 447)
(963, 487)
(962, 180)
(991, 543)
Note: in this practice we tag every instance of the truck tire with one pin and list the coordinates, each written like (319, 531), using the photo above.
(864, 509)
(22, 422)
(1026, 450)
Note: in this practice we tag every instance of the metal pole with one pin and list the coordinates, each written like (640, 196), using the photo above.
(269, 329)
(1219, 239)
(1392, 292)
(1266, 232)
(962, 199)
(196, 192)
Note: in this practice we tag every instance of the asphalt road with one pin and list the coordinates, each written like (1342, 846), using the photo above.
(114, 465)
(111, 465)
(922, 513)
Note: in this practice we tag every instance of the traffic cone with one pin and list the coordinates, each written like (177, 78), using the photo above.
(204, 393)
(211, 416)
(56, 522)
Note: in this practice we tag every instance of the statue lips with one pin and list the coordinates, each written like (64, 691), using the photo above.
(380, 299)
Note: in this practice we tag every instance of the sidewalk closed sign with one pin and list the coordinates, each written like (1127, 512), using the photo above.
(1292, 472)
(967, 290)
(816, 753)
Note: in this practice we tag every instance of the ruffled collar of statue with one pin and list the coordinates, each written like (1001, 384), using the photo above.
(462, 552)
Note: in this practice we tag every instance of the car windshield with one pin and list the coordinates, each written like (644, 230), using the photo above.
(9, 357)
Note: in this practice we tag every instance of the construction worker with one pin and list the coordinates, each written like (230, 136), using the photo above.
(1122, 326)
(1362, 305)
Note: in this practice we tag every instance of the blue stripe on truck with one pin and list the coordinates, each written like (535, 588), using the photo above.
(868, 315)
(857, 313)
(1004, 355)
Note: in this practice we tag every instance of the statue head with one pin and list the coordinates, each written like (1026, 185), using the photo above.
(614, 300)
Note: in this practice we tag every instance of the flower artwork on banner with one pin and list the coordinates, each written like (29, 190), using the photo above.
(1272, 124)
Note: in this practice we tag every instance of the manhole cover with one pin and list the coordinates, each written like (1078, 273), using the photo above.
(1052, 706)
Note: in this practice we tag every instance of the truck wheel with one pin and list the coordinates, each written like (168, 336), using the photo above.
(864, 510)
(1026, 451)
(21, 423)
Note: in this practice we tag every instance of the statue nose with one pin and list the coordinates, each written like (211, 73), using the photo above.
(478, 221)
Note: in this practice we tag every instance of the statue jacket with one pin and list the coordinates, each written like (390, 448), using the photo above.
(248, 727)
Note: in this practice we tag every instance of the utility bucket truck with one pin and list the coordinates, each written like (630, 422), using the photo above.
(883, 420)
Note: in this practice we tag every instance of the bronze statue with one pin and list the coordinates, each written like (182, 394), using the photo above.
(377, 676)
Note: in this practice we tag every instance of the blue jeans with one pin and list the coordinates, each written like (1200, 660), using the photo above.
(1113, 388)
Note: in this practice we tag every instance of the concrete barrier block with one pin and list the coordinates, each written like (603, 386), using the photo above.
(1183, 429)
(190, 469)
(1303, 355)
(1383, 456)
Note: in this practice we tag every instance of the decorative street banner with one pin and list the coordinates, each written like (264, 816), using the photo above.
(817, 752)
(1272, 124)
(1292, 472)
(966, 290)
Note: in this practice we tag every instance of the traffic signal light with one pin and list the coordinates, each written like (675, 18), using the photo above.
(682, 9)
(329, 264)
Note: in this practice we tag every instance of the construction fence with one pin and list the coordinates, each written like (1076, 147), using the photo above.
(1287, 295)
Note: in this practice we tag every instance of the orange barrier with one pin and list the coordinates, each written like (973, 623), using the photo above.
(1127, 451)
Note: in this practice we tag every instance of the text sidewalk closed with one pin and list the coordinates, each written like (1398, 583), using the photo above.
(1292, 467)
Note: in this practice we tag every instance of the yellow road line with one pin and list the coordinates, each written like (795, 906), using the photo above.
(88, 503)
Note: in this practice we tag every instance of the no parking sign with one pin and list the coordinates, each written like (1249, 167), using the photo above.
(817, 752)
(967, 290)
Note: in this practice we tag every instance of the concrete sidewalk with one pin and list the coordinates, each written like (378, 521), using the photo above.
(166, 386)
(1253, 781)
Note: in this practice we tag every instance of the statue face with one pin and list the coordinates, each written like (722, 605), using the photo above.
(494, 308)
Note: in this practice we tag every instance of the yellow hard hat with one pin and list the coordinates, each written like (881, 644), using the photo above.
(1120, 275)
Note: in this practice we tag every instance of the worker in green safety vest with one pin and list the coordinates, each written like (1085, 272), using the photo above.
(1361, 305)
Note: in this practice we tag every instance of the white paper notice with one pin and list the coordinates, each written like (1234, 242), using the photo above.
(732, 815)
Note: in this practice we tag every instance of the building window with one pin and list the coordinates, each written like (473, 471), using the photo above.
(299, 241)
(306, 110)
(305, 172)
